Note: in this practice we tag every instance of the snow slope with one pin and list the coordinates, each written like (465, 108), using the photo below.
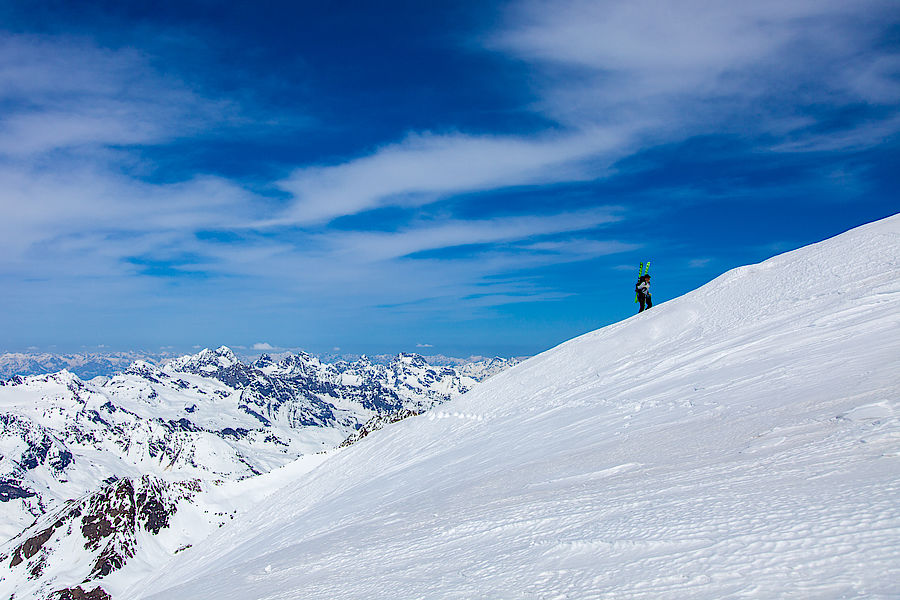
(102, 482)
(741, 441)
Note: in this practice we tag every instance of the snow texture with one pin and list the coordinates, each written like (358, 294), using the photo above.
(741, 441)
(102, 482)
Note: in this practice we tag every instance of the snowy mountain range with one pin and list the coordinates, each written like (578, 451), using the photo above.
(87, 365)
(741, 441)
(106, 465)
(84, 364)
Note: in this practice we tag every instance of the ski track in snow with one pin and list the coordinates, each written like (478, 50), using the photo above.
(742, 441)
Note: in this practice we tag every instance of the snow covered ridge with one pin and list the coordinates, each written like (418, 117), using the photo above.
(742, 441)
(197, 423)
(88, 365)
(98, 533)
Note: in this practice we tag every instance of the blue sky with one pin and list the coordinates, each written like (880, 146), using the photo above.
(442, 177)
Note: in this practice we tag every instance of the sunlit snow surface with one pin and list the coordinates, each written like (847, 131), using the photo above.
(102, 482)
(740, 441)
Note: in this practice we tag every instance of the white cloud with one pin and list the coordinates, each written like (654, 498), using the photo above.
(424, 346)
(66, 93)
(71, 214)
(262, 346)
(379, 246)
(699, 263)
(86, 223)
(424, 168)
(636, 73)
(672, 70)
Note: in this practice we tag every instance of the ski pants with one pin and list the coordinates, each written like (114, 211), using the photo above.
(645, 300)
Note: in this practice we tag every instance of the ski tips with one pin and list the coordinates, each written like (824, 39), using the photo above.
(645, 269)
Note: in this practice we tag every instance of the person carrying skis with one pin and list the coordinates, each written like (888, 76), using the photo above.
(642, 289)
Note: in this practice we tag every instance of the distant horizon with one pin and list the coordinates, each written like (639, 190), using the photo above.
(257, 349)
(471, 178)
(106, 362)
(240, 352)
(248, 354)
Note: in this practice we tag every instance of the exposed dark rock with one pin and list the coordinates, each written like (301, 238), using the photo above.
(157, 447)
(30, 547)
(112, 517)
(112, 558)
(263, 361)
(37, 568)
(153, 513)
(77, 593)
(63, 459)
(254, 414)
(109, 511)
(236, 434)
(378, 422)
(96, 418)
(12, 490)
(181, 424)
(36, 453)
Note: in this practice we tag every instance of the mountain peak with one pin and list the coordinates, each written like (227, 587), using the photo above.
(225, 351)
(206, 360)
(410, 358)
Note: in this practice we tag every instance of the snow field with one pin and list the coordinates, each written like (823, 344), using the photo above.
(742, 441)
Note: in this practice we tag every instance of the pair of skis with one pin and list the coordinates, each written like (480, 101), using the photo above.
(644, 270)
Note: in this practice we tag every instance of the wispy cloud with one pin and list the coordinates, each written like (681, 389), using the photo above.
(378, 246)
(426, 167)
(72, 110)
(66, 93)
(675, 70)
(92, 219)
(89, 214)
(699, 263)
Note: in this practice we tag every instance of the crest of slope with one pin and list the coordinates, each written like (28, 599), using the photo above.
(741, 440)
